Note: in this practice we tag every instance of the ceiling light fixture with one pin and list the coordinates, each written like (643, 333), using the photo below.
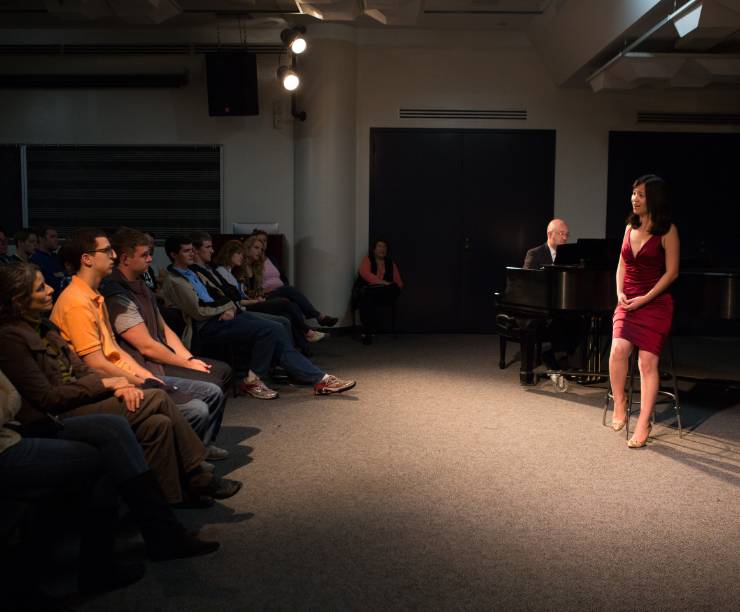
(289, 78)
(293, 39)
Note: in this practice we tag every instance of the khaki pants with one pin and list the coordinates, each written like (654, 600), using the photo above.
(170, 445)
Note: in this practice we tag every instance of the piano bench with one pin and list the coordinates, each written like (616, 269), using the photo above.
(670, 396)
(509, 330)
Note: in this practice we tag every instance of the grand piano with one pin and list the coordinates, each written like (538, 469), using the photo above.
(586, 290)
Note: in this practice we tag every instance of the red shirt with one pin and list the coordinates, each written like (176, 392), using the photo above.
(375, 279)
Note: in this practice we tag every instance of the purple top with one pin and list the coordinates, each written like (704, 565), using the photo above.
(270, 277)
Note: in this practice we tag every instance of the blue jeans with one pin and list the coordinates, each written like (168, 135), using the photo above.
(299, 368)
(268, 340)
(266, 316)
(88, 446)
(286, 291)
(205, 411)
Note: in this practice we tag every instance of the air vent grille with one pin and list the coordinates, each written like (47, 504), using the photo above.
(462, 113)
(690, 118)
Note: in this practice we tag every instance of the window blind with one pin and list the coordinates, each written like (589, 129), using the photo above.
(162, 189)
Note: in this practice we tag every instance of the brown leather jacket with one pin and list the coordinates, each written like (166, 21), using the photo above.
(36, 372)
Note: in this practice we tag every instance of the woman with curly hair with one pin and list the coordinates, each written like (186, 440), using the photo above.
(241, 266)
(275, 285)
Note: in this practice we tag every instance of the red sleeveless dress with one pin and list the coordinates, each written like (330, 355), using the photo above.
(648, 326)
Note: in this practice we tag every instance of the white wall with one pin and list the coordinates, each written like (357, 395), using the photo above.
(395, 68)
(472, 70)
(257, 157)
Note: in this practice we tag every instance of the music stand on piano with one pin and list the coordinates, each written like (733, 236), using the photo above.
(589, 252)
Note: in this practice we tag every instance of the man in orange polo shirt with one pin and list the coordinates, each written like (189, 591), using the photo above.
(81, 315)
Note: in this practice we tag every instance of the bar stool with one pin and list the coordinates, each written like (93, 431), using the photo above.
(667, 396)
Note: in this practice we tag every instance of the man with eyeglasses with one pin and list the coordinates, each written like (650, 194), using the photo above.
(557, 234)
(81, 316)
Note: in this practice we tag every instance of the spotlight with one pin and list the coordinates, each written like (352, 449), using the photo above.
(288, 78)
(293, 38)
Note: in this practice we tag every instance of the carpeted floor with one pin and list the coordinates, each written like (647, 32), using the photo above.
(440, 483)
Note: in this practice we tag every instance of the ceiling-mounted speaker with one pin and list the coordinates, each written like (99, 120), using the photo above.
(232, 84)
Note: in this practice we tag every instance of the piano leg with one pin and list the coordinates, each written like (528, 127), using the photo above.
(528, 344)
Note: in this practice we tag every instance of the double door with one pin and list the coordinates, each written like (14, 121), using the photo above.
(457, 207)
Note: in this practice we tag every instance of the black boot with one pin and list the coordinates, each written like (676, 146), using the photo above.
(164, 535)
(98, 572)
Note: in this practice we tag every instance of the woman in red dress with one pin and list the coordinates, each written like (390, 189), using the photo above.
(648, 264)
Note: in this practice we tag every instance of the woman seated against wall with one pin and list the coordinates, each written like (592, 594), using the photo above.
(275, 285)
(241, 266)
(91, 458)
(378, 285)
(52, 379)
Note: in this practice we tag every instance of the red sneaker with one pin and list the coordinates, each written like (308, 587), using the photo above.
(332, 384)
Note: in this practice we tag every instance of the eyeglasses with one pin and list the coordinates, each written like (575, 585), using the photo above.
(107, 250)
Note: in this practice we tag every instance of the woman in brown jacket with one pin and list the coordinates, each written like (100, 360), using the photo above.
(52, 380)
(78, 459)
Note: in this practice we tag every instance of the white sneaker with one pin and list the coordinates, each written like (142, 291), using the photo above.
(314, 335)
(561, 385)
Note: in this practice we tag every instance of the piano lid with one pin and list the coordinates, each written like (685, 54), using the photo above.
(561, 288)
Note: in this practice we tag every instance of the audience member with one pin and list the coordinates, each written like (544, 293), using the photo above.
(47, 258)
(275, 285)
(378, 284)
(141, 330)
(82, 318)
(231, 257)
(149, 277)
(26, 243)
(53, 381)
(246, 261)
(215, 316)
(202, 264)
(84, 454)
(233, 250)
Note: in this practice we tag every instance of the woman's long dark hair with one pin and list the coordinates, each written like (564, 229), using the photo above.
(656, 197)
(388, 260)
(374, 243)
(16, 286)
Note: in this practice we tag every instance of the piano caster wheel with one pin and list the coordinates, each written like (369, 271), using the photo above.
(561, 385)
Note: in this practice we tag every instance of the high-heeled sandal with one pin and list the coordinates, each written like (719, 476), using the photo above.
(632, 443)
(619, 425)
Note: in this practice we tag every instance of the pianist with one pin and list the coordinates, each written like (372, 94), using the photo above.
(557, 234)
(563, 335)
